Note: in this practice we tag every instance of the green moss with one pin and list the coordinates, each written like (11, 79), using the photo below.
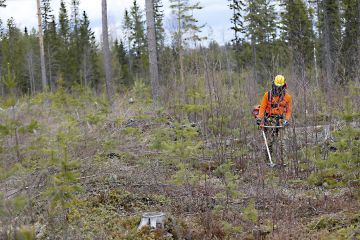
(131, 131)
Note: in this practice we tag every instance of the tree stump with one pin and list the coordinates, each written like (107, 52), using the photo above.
(153, 220)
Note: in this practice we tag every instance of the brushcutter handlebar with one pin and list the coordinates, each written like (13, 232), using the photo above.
(274, 126)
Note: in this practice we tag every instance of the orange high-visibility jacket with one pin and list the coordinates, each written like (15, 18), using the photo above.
(278, 106)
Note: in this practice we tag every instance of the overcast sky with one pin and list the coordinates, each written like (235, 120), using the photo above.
(215, 14)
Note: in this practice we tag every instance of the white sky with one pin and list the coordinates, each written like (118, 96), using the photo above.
(215, 14)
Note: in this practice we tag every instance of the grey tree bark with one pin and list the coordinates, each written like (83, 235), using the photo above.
(30, 63)
(152, 47)
(42, 51)
(106, 53)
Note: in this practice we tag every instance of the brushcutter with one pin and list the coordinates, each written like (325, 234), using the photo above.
(272, 164)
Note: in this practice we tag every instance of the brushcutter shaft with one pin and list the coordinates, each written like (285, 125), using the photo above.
(267, 148)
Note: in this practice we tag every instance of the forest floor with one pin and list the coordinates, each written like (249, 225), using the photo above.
(131, 160)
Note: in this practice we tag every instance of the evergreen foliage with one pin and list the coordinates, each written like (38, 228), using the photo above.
(298, 32)
(137, 39)
(123, 60)
(199, 158)
(260, 28)
(237, 19)
(351, 36)
(340, 168)
(159, 24)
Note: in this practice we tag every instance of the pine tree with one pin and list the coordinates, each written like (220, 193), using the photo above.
(159, 25)
(13, 54)
(64, 41)
(75, 48)
(64, 184)
(2, 3)
(187, 29)
(237, 20)
(330, 28)
(88, 49)
(138, 39)
(52, 48)
(341, 167)
(46, 13)
(50, 41)
(350, 46)
(30, 47)
(298, 32)
(123, 60)
(127, 26)
(260, 28)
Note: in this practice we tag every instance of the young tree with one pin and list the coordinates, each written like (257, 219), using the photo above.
(106, 53)
(341, 167)
(186, 23)
(152, 48)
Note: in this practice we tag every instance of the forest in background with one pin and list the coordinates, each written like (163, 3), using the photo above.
(93, 133)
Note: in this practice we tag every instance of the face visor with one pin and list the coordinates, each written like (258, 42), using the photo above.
(277, 90)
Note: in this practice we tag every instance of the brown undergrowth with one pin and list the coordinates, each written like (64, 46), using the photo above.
(133, 160)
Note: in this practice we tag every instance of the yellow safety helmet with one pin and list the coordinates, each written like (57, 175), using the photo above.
(279, 81)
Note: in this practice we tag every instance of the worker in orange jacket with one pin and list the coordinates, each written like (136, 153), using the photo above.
(276, 104)
(275, 110)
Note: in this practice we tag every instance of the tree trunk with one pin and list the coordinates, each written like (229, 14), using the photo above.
(106, 53)
(85, 68)
(51, 80)
(151, 36)
(181, 55)
(31, 72)
(327, 50)
(358, 41)
(42, 51)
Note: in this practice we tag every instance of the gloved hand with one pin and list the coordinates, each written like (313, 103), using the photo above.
(258, 121)
(286, 123)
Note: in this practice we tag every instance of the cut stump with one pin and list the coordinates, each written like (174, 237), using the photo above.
(153, 220)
